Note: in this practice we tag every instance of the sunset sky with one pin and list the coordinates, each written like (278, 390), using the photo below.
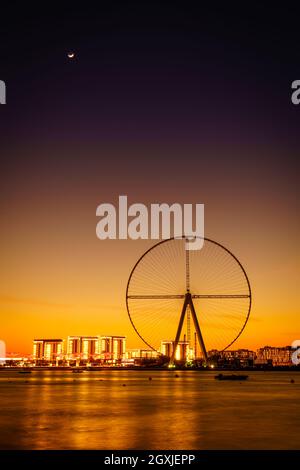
(162, 105)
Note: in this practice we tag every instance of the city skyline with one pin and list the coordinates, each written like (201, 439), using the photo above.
(165, 345)
(251, 329)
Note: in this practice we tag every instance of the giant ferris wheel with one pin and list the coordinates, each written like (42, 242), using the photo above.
(202, 296)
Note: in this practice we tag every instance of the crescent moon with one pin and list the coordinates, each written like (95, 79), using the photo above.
(71, 55)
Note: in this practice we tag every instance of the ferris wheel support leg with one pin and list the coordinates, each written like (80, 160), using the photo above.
(198, 331)
(179, 329)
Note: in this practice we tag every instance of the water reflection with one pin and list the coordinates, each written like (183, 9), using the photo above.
(126, 410)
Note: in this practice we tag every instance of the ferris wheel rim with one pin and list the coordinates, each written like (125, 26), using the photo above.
(181, 238)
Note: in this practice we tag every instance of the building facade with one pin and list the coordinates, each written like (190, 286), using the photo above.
(83, 348)
(182, 353)
(112, 348)
(141, 354)
(274, 356)
(48, 351)
(235, 358)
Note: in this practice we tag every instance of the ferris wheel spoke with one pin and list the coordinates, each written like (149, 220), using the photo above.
(158, 297)
(194, 296)
(220, 296)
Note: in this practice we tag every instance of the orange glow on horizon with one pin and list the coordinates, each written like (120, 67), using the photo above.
(58, 279)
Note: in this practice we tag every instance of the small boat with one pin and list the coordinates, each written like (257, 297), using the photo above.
(24, 371)
(231, 377)
(77, 371)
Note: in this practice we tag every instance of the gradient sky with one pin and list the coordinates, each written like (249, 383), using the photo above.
(164, 104)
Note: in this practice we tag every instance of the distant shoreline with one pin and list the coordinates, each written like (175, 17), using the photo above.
(145, 369)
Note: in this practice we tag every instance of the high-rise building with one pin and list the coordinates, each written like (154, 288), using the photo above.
(182, 351)
(2, 352)
(73, 347)
(83, 347)
(90, 347)
(48, 350)
(112, 348)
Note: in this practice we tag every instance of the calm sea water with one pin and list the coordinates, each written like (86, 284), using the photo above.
(125, 410)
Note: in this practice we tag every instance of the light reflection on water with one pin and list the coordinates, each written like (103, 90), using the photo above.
(94, 410)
